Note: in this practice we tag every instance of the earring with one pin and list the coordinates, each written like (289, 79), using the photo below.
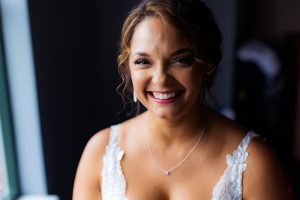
(134, 97)
(210, 69)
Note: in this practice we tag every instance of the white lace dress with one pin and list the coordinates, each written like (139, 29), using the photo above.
(229, 186)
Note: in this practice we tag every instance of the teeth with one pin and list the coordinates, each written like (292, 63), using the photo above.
(164, 96)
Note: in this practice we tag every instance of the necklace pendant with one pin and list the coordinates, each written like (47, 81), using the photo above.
(168, 172)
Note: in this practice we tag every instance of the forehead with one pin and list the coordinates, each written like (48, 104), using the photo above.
(155, 33)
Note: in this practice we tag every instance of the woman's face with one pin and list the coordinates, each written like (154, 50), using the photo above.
(166, 78)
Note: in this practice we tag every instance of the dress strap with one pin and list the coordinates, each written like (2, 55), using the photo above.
(246, 140)
(240, 154)
(114, 135)
(230, 184)
(113, 186)
(112, 149)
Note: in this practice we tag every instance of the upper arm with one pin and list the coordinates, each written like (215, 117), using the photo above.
(263, 178)
(87, 180)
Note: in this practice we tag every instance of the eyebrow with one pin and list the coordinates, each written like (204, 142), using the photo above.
(177, 52)
(140, 53)
(181, 51)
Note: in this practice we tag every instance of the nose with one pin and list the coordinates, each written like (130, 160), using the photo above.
(161, 76)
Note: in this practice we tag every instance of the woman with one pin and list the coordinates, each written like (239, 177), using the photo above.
(178, 148)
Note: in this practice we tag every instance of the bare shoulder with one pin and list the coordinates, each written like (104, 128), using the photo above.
(228, 133)
(87, 180)
(263, 178)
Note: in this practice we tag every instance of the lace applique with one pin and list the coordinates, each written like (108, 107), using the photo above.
(230, 185)
(113, 180)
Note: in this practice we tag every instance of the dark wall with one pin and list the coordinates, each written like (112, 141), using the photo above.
(75, 47)
(270, 104)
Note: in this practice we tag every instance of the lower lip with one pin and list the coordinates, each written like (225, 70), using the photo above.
(164, 101)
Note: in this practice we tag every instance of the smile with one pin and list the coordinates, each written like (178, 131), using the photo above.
(164, 97)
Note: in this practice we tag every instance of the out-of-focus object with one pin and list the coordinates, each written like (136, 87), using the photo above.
(39, 197)
(262, 55)
(258, 85)
(4, 188)
(228, 112)
(259, 90)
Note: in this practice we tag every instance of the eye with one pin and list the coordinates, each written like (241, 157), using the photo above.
(186, 61)
(141, 62)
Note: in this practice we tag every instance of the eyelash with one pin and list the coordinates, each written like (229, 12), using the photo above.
(141, 62)
(185, 61)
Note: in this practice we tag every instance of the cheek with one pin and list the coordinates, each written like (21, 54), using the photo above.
(197, 80)
(193, 79)
(139, 80)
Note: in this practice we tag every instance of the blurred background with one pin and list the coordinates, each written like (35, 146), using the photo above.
(58, 78)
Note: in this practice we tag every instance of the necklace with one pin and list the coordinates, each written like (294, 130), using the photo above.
(170, 170)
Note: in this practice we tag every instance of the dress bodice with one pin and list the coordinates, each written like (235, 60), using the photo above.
(229, 186)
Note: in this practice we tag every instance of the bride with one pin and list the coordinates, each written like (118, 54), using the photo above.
(179, 148)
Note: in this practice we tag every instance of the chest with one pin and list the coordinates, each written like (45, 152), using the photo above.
(132, 179)
(184, 190)
(193, 180)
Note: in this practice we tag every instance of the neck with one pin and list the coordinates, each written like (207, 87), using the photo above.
(172, 132)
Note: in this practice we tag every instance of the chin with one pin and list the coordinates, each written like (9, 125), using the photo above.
(166, 114)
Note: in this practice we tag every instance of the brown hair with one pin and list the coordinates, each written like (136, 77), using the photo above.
(192, 18)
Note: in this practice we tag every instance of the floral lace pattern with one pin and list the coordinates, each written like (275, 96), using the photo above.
(228, 188)
(230, 185)
(113, 181)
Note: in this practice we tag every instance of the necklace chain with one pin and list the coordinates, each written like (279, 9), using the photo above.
(168, 171)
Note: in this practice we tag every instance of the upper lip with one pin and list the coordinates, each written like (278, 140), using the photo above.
(163, 92)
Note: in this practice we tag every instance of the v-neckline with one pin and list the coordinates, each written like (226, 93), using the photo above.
(219, 182)
(230, 159)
